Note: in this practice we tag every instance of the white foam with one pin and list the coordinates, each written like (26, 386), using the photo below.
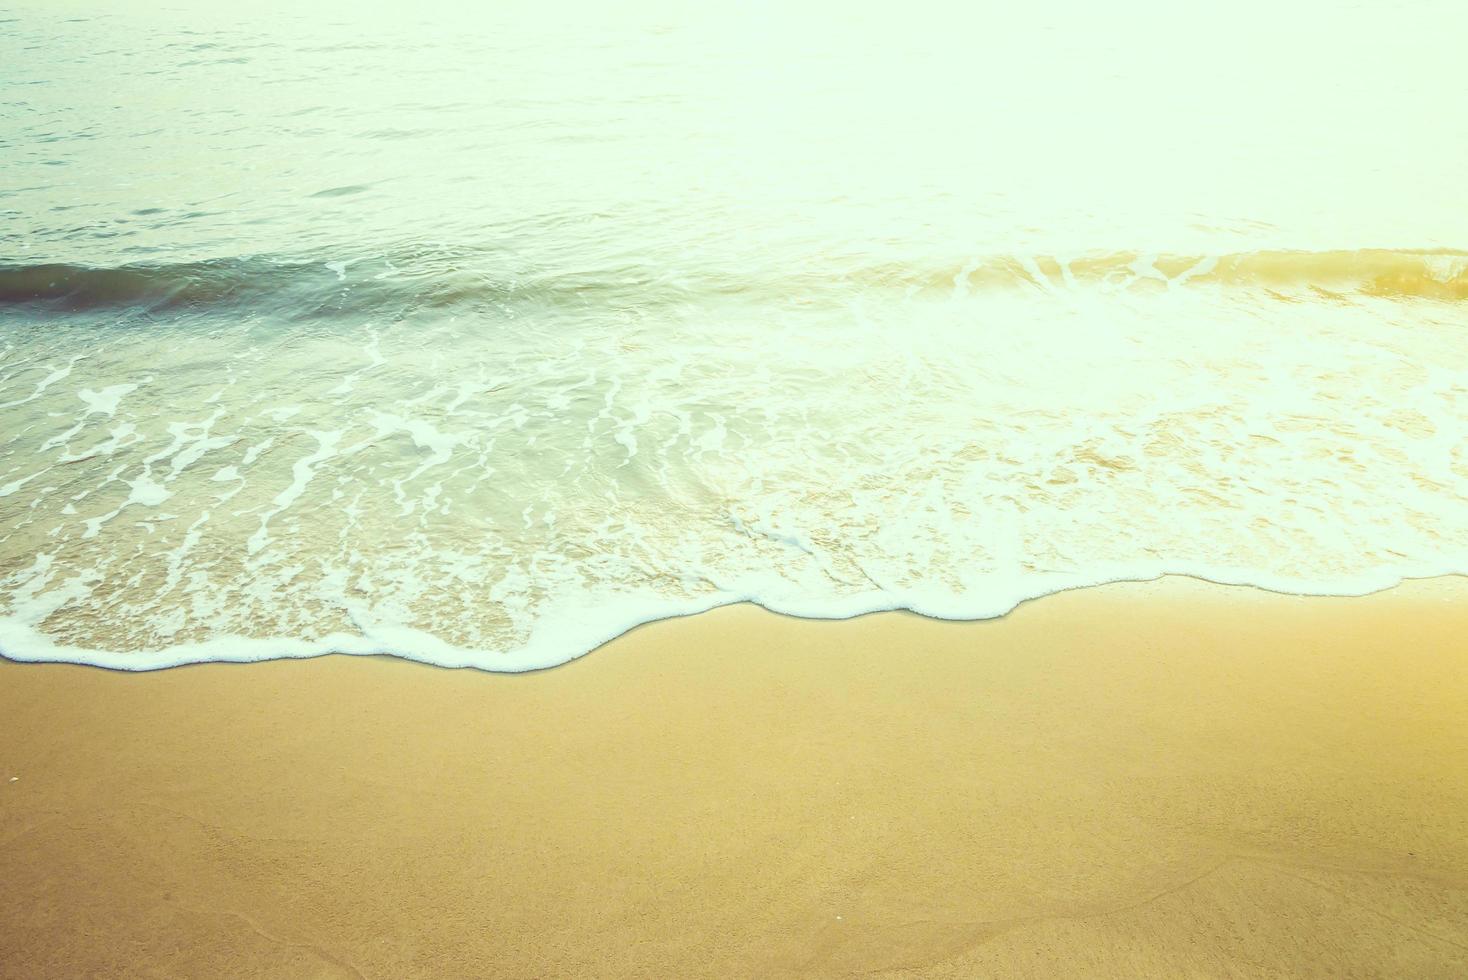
(507, 494)
(571, 629)
(105, 402)
(15, 485)
(303, 471)
(56, 375)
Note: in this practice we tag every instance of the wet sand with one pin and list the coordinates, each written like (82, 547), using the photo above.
(1170, 779)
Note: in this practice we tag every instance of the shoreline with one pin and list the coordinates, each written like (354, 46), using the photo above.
(1144, 778)
(230, 649)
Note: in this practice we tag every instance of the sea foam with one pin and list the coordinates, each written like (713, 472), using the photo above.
(509, 489)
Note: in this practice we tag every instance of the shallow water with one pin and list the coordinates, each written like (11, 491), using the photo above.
(481, 340)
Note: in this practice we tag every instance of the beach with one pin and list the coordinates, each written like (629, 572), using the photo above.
(759, 490)
(1168, 778)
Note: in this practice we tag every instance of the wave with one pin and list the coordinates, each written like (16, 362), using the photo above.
(414, 280)
(511, 498)
(1439, 274)
(301, 288)
(584, 629)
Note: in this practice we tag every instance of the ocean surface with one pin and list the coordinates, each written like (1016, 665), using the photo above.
(480, 338)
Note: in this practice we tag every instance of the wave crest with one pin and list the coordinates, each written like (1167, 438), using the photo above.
(299, 288)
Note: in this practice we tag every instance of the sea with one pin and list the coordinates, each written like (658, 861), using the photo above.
(479, 334)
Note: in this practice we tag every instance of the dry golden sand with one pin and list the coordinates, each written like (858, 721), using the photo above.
(1170, 779)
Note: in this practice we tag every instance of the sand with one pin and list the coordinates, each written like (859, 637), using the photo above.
(1170, 779)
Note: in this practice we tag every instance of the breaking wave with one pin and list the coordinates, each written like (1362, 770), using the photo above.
(444, 279)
